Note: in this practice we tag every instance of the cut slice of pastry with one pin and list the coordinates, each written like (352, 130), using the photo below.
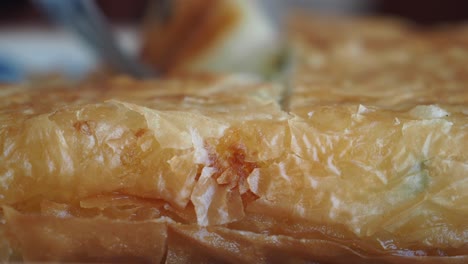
(381, 122)
(210, 169)
(102, 155)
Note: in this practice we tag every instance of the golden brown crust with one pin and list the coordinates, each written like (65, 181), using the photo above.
(219, 170)
(380, 88)
(208, 169)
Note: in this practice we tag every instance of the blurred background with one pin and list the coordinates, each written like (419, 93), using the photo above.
(421, 11)
(29, 43)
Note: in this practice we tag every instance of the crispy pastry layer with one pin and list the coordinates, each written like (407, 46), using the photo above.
(367, 166)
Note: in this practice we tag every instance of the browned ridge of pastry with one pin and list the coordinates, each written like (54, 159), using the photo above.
(367, 165)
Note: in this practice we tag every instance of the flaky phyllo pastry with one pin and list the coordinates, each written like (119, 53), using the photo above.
(361, 159)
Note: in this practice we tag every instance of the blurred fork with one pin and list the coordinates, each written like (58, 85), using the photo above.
(85, 19)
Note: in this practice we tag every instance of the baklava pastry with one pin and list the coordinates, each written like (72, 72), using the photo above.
(362, 160)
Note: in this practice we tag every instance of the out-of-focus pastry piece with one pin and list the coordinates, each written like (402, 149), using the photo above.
(377, 61)
(213, 36)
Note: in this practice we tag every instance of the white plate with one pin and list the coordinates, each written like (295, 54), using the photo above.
(35, 50)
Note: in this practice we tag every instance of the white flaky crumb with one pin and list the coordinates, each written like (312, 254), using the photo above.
(428, 112)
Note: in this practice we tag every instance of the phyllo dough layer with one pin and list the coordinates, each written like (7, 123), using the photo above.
(175, 151)
(364, 166)
(381, 122)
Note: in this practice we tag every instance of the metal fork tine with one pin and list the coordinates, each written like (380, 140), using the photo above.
(95, 25)
(86, 20)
